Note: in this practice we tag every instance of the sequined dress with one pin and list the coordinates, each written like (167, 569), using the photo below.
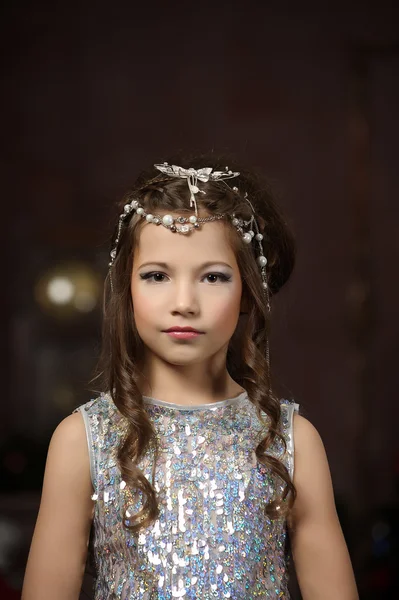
(212, 539)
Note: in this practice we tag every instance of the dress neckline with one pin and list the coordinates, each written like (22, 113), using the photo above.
(205, 406)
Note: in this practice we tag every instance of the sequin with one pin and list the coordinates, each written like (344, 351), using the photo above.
(212, 538)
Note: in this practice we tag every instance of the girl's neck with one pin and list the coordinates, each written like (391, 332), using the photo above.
(188, 396)
(202, 383)
(188, 405)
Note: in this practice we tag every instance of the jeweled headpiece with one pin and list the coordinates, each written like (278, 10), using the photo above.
(185, 225)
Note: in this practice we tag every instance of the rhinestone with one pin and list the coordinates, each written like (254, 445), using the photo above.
(127, 208)
(167, 220)
(135, 204)
(196, 225)
(183, 229)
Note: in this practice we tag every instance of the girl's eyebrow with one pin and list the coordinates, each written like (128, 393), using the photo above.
(205, 265)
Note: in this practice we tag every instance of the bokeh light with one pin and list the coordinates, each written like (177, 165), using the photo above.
(68, 290)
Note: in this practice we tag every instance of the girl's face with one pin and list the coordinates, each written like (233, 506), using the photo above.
(185, 281)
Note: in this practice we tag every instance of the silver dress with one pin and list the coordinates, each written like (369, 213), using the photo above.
(212, 539)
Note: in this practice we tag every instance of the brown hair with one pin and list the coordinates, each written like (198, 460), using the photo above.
(119, 365)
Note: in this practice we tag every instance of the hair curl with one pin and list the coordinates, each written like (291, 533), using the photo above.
(119, 366)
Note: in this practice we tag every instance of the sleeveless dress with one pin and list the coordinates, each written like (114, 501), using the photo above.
(212, 539)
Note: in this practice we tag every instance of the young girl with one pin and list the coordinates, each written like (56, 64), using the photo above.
(185, 462)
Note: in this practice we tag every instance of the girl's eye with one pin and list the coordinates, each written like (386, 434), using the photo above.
(220, 276)
(157, 277)
(149, 276)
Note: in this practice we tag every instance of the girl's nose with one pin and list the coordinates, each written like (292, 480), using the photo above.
(185, 299)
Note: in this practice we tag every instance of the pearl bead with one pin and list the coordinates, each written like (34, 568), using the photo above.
(247, 237)
(251, 233)
(149, 218)
(127, 208)
(140, 211)
(264, 284)
(194, 189)
(262, 261)
(235, 222)
(192, 219)
(259, 237)
(135, 204)
(167, 220)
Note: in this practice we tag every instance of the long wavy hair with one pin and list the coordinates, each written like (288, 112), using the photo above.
(119, 365)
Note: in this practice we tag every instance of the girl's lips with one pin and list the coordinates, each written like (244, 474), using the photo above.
(183, 335)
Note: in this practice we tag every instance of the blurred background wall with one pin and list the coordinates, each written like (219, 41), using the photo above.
(93, 92)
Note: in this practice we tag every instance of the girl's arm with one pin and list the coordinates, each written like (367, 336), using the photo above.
(58, 552)
(321, 558)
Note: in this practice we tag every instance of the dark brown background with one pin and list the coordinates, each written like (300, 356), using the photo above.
(309, 94)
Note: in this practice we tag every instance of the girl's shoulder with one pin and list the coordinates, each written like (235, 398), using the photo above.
(101, 408)
(104, 426)
(101, 416)
(288, 408)
(286, 451)
(289, 403)
(101, 404)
